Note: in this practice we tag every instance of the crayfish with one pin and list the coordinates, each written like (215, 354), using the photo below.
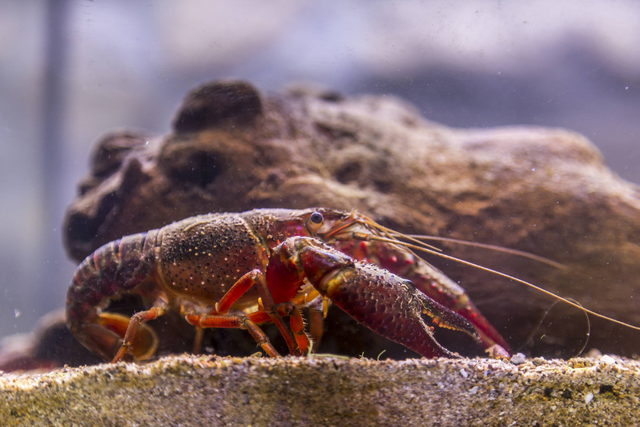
(242, 270)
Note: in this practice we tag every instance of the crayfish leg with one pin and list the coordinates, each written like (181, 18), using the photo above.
(297, 324)
(104, 336)
(296, 321)
(316, 322)
(242, 285)
(316, 305)
(232, 321)
(135, 323)
(235, 292)
(261, 338)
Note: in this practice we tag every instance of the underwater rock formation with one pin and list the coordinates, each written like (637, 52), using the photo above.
(545, 191)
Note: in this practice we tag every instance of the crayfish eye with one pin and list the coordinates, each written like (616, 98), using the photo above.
(315, 221)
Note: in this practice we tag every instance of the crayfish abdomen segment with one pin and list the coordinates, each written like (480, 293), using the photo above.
(114, 268)
(118, 266)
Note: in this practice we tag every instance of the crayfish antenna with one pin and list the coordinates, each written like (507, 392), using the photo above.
(524, 282)
(544, 315)
(394, 235)
(417, 239)
(529, 255)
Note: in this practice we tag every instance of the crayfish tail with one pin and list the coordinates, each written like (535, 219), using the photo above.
(112, 269)
(115, 267)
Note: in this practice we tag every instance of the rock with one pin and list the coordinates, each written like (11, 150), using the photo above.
(544, 191)
(49, 346)
(191, 391)
(518, 359)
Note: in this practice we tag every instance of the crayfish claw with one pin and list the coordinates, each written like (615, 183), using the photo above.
(444, 318)
(389, 305)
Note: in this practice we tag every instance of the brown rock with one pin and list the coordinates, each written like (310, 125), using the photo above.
(545, 191)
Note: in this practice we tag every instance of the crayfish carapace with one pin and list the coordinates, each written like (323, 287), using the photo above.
(242, 270)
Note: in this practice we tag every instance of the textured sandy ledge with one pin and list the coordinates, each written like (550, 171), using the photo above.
(190, 390)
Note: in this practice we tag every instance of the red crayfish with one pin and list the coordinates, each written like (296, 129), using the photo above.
(243, 270)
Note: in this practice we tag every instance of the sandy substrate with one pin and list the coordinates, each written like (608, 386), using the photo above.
(190, 390)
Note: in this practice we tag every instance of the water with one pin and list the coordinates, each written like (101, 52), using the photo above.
(72, 73)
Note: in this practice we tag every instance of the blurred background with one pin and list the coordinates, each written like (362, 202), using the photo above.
(71, 70)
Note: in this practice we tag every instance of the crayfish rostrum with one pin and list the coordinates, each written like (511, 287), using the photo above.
(241, 270)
